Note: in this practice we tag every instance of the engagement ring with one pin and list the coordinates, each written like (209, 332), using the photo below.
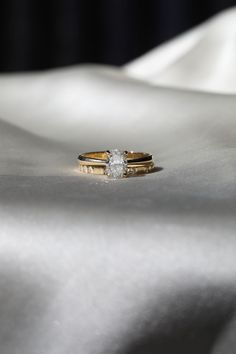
(116, 163)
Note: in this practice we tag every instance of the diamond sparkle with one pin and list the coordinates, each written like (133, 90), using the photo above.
(117, 164)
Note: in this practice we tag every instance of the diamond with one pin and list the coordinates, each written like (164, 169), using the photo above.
(116, 166)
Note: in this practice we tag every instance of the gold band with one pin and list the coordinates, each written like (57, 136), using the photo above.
(116, 163)
(101, 170)
(102, 156)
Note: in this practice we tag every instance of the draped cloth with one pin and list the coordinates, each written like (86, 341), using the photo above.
(139, 265)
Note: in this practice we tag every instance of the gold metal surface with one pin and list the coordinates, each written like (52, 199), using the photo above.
(144, 165)
(132, 169)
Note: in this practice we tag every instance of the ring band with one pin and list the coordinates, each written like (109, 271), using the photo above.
(115, 163)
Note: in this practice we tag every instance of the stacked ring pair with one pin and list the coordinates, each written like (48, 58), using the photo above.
(116, 163)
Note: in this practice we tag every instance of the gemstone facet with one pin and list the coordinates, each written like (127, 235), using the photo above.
(116, 166)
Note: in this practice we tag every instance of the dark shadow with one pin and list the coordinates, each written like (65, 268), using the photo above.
(157, 169)
(187, 331)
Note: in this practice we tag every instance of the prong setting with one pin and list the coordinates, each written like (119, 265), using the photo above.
(116, 166)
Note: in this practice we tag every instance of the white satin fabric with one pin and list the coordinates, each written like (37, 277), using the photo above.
(95, 266)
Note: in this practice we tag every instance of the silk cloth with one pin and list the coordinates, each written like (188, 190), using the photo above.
(137, 266)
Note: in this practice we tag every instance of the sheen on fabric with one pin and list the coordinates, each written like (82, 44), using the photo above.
(134, 266)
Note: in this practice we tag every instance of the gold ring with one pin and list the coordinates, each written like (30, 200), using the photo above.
(116, 163)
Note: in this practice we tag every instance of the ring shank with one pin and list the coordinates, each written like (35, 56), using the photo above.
(101, 157)
(132, 169)
(97, 163)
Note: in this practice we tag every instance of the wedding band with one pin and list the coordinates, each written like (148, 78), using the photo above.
(115, 163)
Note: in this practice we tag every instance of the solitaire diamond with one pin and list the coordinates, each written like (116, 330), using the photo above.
(117, 164)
